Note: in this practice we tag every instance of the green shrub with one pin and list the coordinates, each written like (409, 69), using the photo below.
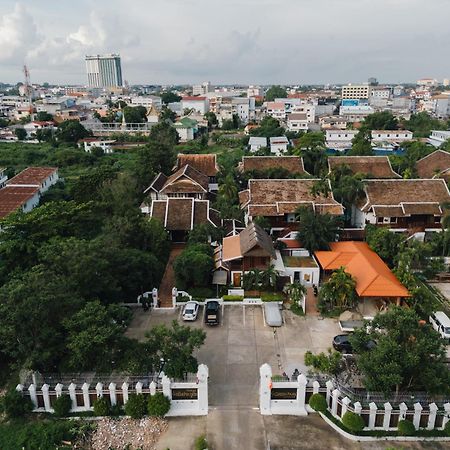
(277, 378)
(354, 422)
(15, 405)
(233, 298)
(115, 410)
(406, 428)
(272, 297)
(447, 428)
(318, 403)
(136, 406)
(201, 443)
(101, 407)
(62, 406)
(297, 309)
(158, 405)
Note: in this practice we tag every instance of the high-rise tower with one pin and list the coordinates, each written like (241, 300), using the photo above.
(104, 71)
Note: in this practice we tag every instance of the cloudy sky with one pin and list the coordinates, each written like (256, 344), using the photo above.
(233, 41)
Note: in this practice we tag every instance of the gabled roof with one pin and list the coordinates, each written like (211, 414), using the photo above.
(376, 166)
(13, 197)
(293, 164)
(433, 165)
(271, 197)
(158, 183)
(204, 163)
(297, 116)
(32, 176)
(415, 196)
(186, 180)
(373, 277)
(253, 236)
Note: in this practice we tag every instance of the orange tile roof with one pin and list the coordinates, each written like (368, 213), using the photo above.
(373, 277)
(231, 248)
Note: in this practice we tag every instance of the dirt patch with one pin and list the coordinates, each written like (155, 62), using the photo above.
(120, 433)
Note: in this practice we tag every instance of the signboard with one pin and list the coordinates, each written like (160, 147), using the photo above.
(184, 394)
(283, 394)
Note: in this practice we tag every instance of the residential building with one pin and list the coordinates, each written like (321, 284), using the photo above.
(255, 91)
(199, 104)
(441, 106)
(201, 89)
(36, 125)
(261, 164)
(297, 122)
(427, 82)
(278, 145)
(434, 165)
(278, 200)
(337, 139)
(147, 101)
(355, 113)
(398, 91)
(203, 163)
(438, 137)
(186, 129)
(104, 71)
(276, 110)
(380, 93)
(89, 143)
(357, 92)
(333, 122)
(303, 108)
(244, 108)
(256, 143)
(410, 205)
(391, 136)
(376, 285)
(373, 166)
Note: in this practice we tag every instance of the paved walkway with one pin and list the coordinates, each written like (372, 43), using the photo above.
(311, 303)
(168, 280)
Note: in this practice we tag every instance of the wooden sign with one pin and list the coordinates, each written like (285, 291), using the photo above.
(184, 394)
(283, 394)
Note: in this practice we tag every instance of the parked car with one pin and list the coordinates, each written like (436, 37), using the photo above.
(441, 323)
(341, 343)
(212, 313)
(272, 314)
(190, 311)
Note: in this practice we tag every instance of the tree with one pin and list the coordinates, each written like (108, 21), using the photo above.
(193, 266)
(203, 233)
(296, 291)
(20, 133)
(275, 92)
(93, 328)
(135, 114)
(165, 134)
(339, 291)
(408, 355)
(347, 187)
(212, 119)
(269, 127)
(322, 363)
(383, 120)
(71, 131)
(174, 347)
(269, 277)
(44, 135)
(170, 97)
(422, 123)
(316, 230)
(361, 146)
(167, 114)
(311, 146)
(384, 243)
(43, 116)
(253, 279)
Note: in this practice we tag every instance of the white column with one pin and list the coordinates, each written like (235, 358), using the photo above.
(138, 387)
(58, 390)
(112, 394)
(316, 387)
(417, 413)
(301, 393)
(372, 415)
(265, 386)
(358, 408)
(33, 396)
(72, 395)
(446, 415)
(45, 394)
(125, 392)
(155, 297)
(152, 388)
(387, 415)
(99, 390)
(165, 381)
(334, 402)
(432, 417)
(174, 296)
(86, 399)
(329, 384)
(202, 393)
(345, 402)
(403, 407)
(19, 388)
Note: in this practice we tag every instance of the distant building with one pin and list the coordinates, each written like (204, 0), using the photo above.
(297, 122)
(357, 92)
(337, 139)
(391, 136)
(427, 82)
(104, 71)
(257, 143)
(278, 145)
(199, 104)
(201, 89)
(438, 137)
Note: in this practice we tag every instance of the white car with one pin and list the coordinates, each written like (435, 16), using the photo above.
(190, 311)
(441, 323)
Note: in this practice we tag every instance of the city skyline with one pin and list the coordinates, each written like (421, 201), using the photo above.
(265, 42)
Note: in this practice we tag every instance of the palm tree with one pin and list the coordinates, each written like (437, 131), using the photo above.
(252, 279)
(445, 206)
(295, 291)
(228, 189)
(269, 277)
(316, 231)
(339, 291)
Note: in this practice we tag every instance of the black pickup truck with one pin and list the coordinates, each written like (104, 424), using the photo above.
(212, 311)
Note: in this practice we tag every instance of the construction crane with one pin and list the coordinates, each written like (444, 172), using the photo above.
(28, 90)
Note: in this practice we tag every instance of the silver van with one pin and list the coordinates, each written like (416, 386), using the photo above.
(441, 323)
(272, 314)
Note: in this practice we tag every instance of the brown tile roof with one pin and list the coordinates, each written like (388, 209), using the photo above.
(32, 176)
(12, 198)
(297, 116)
(376, 166)
(206, 164)
(158, 183)
(416, 196)
(183, 213)
(433, 164)
(293, 164)
(186, 179)
(277, 197)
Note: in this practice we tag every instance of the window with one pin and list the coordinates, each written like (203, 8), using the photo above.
(380, 219)
(393, 219)
(437, 219)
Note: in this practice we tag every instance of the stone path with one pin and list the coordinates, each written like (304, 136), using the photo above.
(168, 280)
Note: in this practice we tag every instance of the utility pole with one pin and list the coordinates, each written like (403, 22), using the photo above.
(28, 90)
